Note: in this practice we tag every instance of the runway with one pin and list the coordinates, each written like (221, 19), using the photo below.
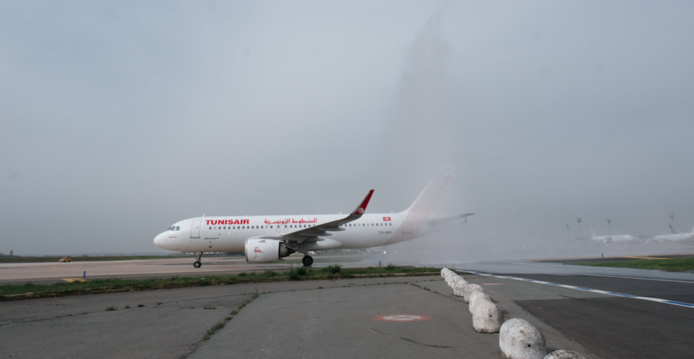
(624, 323)
(346, 318)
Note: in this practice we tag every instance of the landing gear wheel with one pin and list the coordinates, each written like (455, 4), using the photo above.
(307, 261)
(198, 262)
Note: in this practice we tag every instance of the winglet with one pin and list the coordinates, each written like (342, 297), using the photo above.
(362, 207)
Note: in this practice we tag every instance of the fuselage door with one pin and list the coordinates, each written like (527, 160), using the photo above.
(195, 229)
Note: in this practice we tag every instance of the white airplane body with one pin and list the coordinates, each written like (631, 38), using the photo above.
(270, 238)
(677, 237)
(618, 238)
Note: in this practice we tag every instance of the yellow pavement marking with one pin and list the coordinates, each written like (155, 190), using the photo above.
(637, 257)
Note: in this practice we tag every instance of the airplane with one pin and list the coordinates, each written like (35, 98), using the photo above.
(618, 238)
(270, 238)
(674, 237)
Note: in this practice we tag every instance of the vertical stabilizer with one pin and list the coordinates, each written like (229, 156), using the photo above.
(419, 212)
(672, 229)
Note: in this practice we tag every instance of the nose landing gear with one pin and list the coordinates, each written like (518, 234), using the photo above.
(197, 263)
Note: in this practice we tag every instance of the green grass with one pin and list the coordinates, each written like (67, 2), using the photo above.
(96, 286)
(295, 259)
(670, 265)
(212, 330)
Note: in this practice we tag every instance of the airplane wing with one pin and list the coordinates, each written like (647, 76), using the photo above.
(311, 234)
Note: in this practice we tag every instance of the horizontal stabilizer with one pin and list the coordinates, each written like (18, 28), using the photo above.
(450, 220)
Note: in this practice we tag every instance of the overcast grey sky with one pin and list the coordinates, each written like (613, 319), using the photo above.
(119, 118)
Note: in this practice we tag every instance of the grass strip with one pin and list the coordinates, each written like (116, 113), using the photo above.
(669, 265)
(97, 286)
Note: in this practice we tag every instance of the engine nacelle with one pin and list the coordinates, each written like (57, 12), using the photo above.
(265, 250)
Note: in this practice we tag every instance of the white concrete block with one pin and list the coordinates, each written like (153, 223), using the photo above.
(469, 289)
(487, 317)
(453, 280)
(519, 339)
(459, 287)
(477, 296)
(564, 354)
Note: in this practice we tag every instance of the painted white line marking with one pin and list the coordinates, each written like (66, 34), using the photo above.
(614, 294)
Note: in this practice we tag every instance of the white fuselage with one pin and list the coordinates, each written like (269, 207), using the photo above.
(675, 237)
(229, 233)
(616, 238)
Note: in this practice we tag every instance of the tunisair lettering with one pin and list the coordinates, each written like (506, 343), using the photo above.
(220, 222)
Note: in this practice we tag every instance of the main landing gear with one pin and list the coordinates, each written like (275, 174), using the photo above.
(307, 260)
(197, 263)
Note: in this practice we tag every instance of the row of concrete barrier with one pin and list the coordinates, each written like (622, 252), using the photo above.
(518, 339)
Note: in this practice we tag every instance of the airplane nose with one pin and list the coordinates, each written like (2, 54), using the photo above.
(159, 239)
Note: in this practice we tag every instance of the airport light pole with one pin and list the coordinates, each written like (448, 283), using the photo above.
(568, 233)
(580, 233)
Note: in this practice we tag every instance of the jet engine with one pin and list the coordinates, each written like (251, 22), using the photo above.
(261, 250)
